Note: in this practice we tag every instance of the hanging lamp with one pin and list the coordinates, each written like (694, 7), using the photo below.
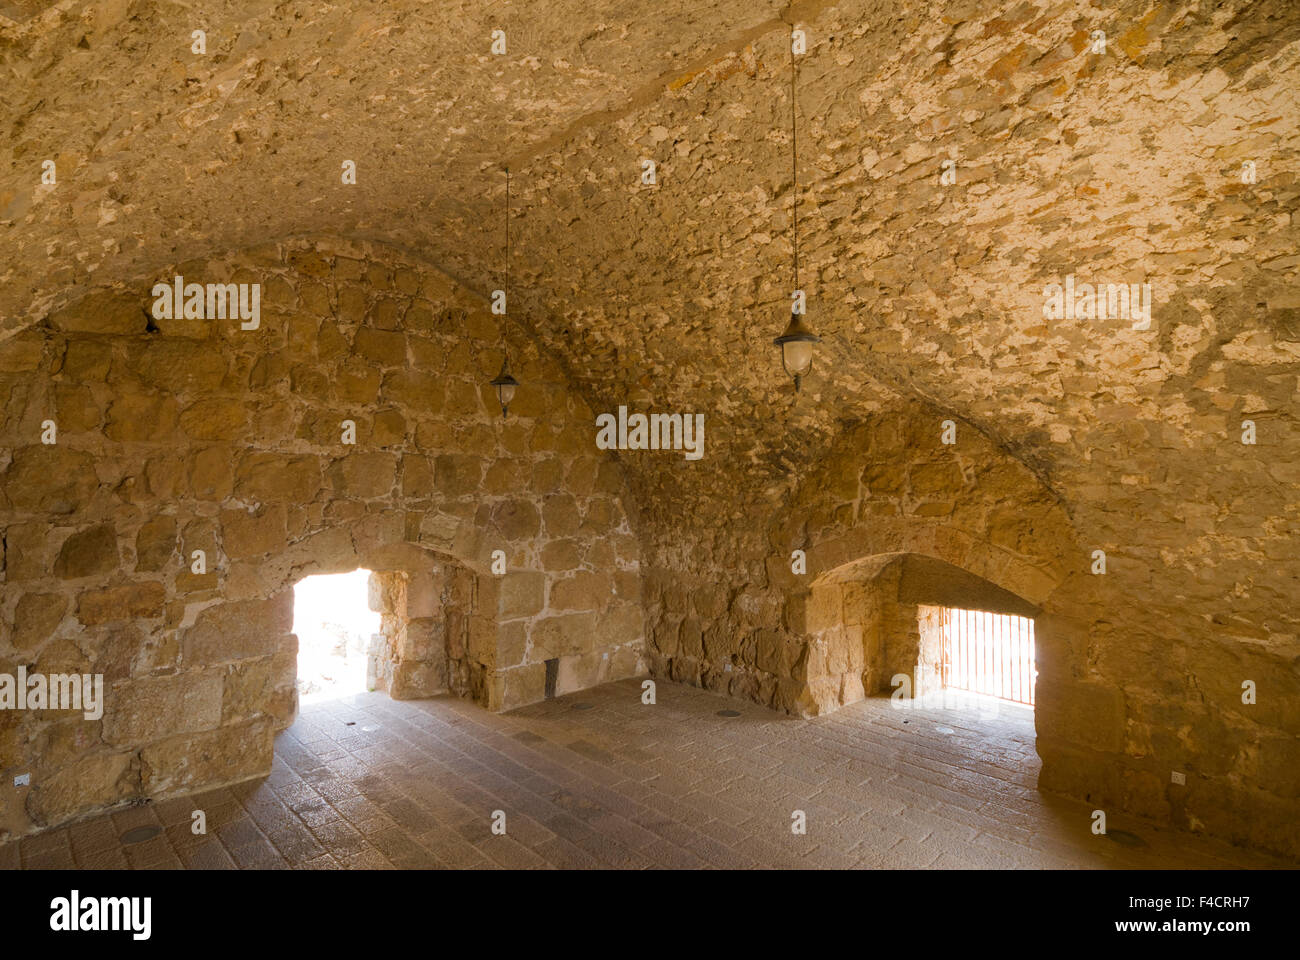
(504, 383)
(797, 341)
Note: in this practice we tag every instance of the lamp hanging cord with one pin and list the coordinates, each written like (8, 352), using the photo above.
(504, 347)
(794, 164)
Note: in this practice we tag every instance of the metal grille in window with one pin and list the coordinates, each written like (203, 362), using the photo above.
(989, 653)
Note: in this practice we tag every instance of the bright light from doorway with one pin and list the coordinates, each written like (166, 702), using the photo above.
(334, 624)
(990, 654)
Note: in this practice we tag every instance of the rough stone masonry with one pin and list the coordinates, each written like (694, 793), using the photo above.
(957, 159)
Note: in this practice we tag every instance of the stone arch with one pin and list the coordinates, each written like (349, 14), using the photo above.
(951, 545)
(894, 490)
(863, 623)
(439, 613)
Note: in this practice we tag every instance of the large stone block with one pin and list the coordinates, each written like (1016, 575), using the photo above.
(88, 553)
(562, 636)
(179, 367)
(155, 543)
(94, 782)
(415, 389)
(21, 354)
(523, 685)
(24, 554)
(152, 708)
(559, 556)
(210, 474)
(414, 680)
(583, 591)
(481, 640)
(774, 652)
(627, 661)
(521, 594)
(825, 608)
(623, 622)
(1090, 776)
(516, 520)
(365, 475)
(108, 312)
(248, 689)
(131, 600)
(512, 643)
(1086, 714)
(253, 534)
(265, 477)
(424, 595)
(581, 672)
(35, 618)
(456, 475)
(560, 514)
(384, 347)
(239, 630)
(50, 479)
(215, 419)
(205, 760)
(423, 639)
(691, 638)
(1279, 766)
(141, 416)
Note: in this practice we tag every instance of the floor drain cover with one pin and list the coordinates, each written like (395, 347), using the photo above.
(583, 706)
(945, 729)
(1125, 838)
(141, 834)
(728, 713)
(349, 723)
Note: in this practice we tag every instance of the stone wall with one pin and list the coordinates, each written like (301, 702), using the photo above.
(177, 436)
(1122, 699)
(427, 613)
(929, 652)
(892, 489)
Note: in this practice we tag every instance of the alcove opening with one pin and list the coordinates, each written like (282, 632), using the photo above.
(337, 632)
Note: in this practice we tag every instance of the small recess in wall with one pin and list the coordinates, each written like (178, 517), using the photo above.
(552, 673)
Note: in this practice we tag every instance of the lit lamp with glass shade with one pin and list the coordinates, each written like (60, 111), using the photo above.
(506, 385)
(796, 345)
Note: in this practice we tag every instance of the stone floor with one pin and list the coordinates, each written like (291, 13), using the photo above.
(369, 782)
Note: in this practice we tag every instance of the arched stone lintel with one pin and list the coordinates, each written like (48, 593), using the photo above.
(890, 538)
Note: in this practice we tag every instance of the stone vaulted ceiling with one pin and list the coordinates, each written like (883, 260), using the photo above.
(1123, 166)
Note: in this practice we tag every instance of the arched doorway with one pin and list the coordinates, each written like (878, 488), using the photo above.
(406, 632)
(872, 620)
(437, 616)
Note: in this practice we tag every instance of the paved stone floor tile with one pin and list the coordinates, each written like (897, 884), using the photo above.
(624, 785)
